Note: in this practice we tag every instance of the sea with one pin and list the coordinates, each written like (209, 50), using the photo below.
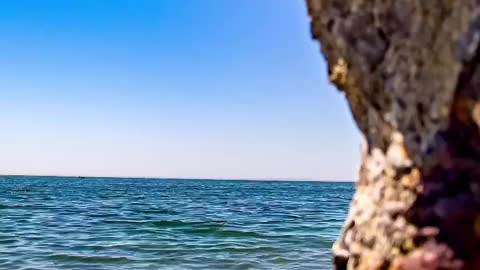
(120, 223)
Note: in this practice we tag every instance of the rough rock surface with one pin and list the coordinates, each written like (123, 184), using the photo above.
(410, 70)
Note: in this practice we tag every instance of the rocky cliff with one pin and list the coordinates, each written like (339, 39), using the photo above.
(410, 72)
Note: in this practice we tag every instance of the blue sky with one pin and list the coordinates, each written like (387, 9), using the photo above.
(159, 88)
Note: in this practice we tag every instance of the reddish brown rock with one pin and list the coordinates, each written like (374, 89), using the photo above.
(410, 70)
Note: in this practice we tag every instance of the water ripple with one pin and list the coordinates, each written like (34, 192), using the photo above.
(71, 223)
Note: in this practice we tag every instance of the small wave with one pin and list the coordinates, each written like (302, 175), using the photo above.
(125, 222)
(251, 250)
(5, 206)
(180, 223)
(23, 190)
(89, 259)
(158, 211)
(8, 241)
(205, 231)
(245, 266)
(232, 233)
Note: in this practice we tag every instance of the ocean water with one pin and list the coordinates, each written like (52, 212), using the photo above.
(93, 223)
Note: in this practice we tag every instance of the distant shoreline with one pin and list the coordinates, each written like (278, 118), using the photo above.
(175, 178)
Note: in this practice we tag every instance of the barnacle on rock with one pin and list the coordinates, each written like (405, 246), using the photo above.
(339, 73)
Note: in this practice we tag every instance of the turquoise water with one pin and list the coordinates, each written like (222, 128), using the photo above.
(92, 223)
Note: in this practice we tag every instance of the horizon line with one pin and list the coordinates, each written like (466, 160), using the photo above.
(183, 178)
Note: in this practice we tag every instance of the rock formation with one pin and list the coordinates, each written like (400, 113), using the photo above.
(410, 70)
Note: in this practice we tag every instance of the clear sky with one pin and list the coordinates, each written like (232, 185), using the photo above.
(160, 88)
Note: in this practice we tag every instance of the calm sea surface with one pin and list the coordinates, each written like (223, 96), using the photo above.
(72, 223)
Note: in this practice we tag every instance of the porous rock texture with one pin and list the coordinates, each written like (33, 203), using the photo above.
(410, 70)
